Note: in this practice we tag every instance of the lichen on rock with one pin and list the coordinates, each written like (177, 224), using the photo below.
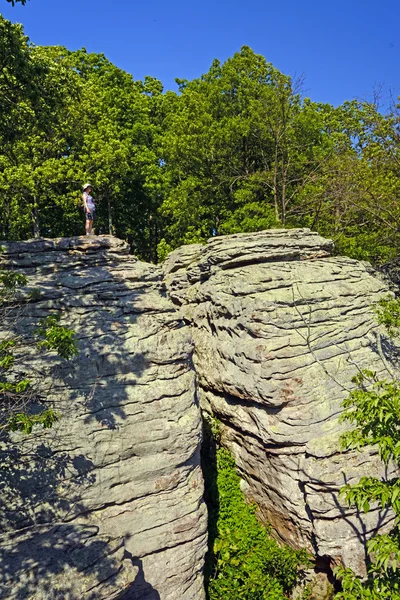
(266, 330)
(280, 327)
(108, 503)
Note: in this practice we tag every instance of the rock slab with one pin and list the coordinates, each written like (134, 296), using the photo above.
(108, 503)
(280, 327)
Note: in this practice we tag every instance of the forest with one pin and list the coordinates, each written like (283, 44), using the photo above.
(240, 148)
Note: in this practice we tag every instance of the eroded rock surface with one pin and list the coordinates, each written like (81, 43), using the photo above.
(108, 503)
(280, 328)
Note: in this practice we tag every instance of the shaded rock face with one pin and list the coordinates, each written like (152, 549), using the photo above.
(280, 328)
(108, 503)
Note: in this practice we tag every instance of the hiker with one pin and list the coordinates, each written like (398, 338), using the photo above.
(89, 208)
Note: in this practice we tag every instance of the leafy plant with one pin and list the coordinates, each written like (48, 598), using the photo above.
(16, 393)
(25, 422)
(373, 409)
(10, 281)
(246, 563)
(387, 310)
(56, 337)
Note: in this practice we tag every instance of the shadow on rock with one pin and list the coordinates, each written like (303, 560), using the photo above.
(61, 562)
(50, 479)
(140, 588)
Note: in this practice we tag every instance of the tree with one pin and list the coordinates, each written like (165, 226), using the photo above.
(354, 196)
(36, 92)
(116, 150)
(91, 121)
(239, 145)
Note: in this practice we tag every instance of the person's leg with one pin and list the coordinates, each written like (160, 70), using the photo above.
(87, 226)
(92, 223)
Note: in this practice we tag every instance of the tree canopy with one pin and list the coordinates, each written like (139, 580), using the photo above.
(237, 149)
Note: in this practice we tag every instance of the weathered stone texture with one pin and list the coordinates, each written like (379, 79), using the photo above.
(108, 503)
(280, 328)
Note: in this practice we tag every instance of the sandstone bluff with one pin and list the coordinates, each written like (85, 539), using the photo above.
(263, 330)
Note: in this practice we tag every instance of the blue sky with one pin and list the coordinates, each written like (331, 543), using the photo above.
(343, 48)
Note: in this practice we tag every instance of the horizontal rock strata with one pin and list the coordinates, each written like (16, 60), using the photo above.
(108, 503)
(280, 328)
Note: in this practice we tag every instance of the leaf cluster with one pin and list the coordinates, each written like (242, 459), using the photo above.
(248, 563)
(57, 337)
(16, 391)
(387, 311)
(373, 410)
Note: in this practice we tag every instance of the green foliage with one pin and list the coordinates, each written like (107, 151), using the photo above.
(387, 311)
(237, 145)
(6, 354)
(373, 409)
(373, 589)
(56, 337)
(24, 422)
(9, 282)
(252, 216)
(163, 249)
(238, 149)
(364, 246)
(16, 392)
(245, 563)
(18, 387)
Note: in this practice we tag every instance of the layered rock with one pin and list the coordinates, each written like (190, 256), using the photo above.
(108, 503)
(280, 327)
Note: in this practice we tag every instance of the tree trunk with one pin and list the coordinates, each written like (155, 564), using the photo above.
(283, 192)
(35, 220)
(276, 182)
(110, 221)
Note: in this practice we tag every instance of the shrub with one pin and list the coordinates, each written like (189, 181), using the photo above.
(245, 563)
(373, 409)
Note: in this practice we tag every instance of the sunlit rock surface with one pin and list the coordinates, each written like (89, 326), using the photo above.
(280, 327)
(108, 503)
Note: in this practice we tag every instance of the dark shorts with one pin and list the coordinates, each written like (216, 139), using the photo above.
(90, 216)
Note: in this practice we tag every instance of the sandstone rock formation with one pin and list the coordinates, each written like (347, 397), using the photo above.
(108, 503)
(280, 327)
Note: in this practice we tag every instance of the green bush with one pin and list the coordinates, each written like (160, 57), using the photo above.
(245, 563)
(373, 411)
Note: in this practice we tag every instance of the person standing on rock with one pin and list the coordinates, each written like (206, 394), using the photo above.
(89, 208)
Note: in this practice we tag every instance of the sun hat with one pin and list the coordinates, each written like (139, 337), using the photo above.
(86, 186)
